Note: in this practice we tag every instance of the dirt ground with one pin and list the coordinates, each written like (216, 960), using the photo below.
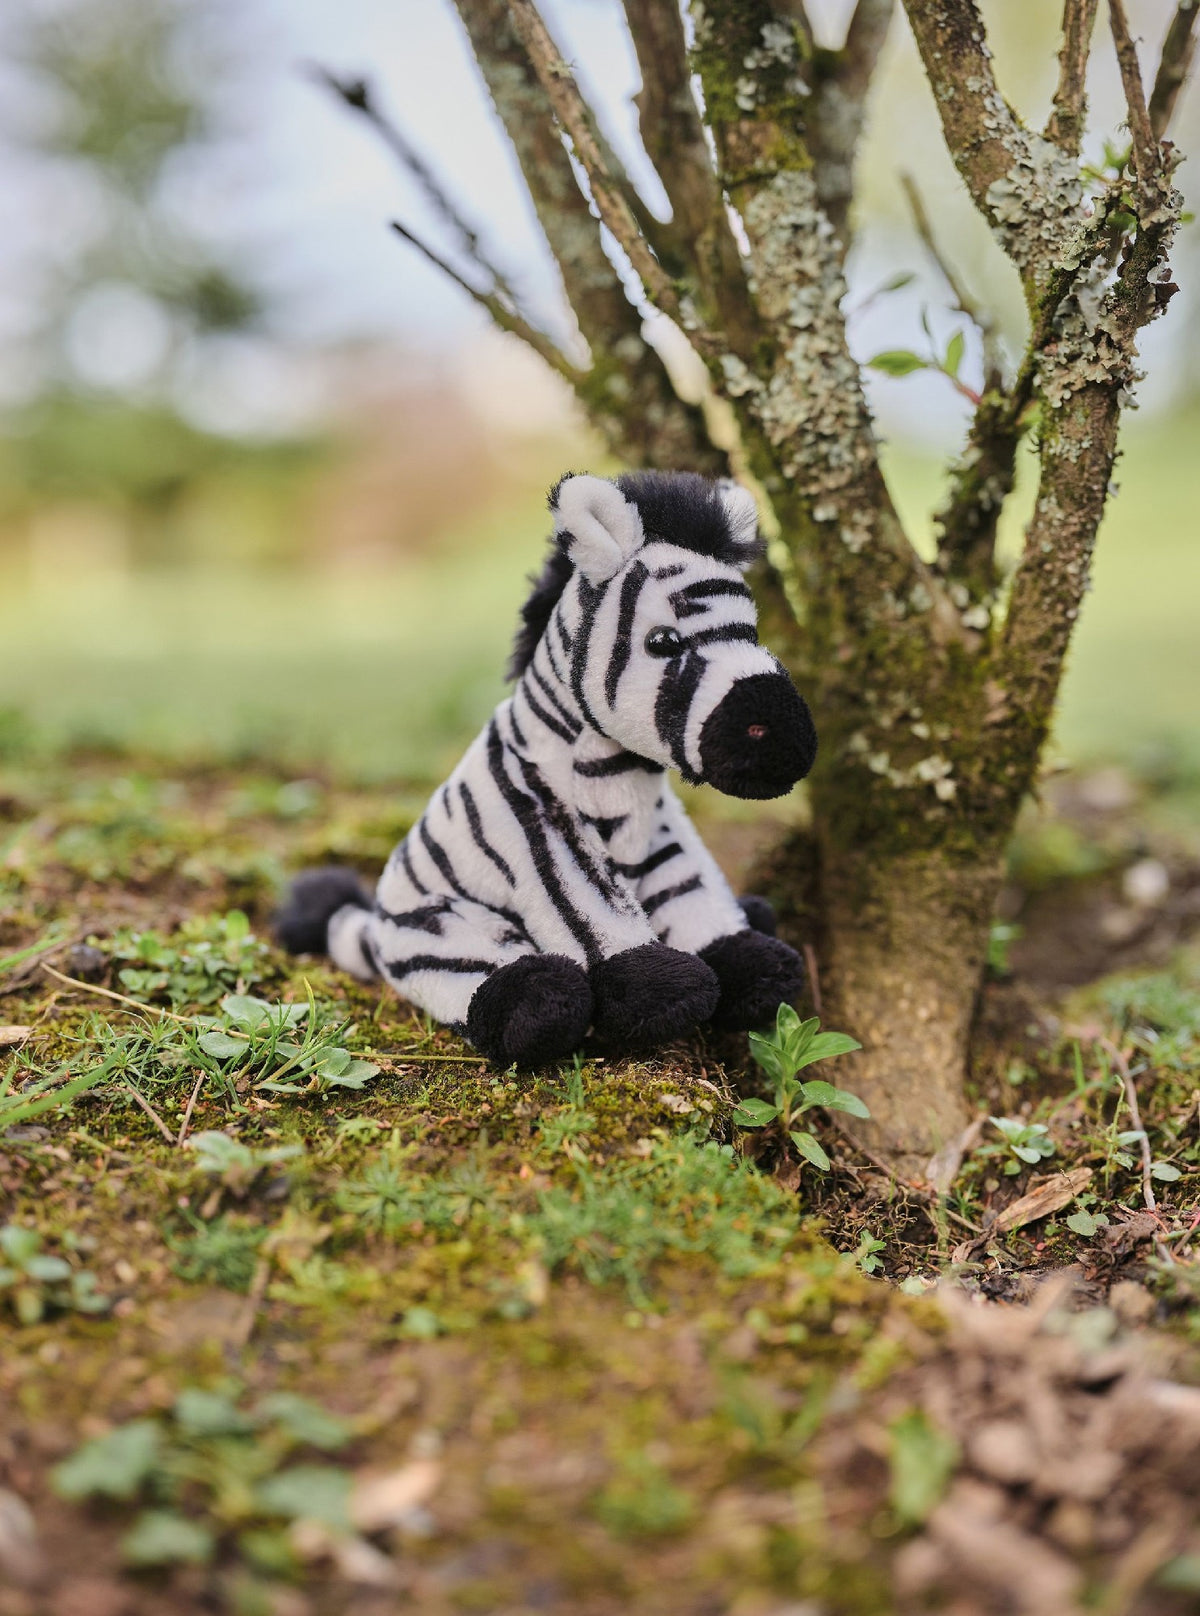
(396, 1332)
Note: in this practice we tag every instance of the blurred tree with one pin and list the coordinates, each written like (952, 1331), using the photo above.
(126, 99)
(128, 86)
(933, 684)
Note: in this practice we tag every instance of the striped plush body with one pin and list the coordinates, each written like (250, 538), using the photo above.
(554, 884)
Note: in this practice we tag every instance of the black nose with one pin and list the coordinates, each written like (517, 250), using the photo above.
(759, 739)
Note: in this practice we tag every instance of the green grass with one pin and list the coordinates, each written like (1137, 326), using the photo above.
(387, 675)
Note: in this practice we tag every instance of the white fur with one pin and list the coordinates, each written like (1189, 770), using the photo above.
(603, 528)
(741, 509)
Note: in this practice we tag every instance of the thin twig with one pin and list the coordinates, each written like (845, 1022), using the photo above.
(965, 302)
(121, 998)
(1070, 98)
(187, 1115)
(150, 1112)
(1173, 66)
(502, 312)
(1146, 155)
(358, 95)
(1135, 1116)
(244, 1328)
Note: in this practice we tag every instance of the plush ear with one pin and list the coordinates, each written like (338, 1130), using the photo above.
(742, 512)
(596, 525)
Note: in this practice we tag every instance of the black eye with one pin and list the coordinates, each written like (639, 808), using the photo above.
(664, 642)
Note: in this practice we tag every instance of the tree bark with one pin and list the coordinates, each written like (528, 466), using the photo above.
(904, 950)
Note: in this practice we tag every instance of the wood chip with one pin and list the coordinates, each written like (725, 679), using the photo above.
(13, 1035)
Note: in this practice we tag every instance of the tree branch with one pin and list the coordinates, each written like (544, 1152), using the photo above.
(627, 392)
(1066, 123)
(1026, 188)
(503, 314)
(608, 193)
(1147, 158)
(700, 236)
(1173, 67)
(359, 97)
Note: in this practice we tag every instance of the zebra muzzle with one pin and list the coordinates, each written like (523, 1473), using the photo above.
(759, 739)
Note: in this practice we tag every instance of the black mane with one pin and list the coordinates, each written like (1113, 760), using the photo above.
(679, 506)
(685, 509)
(538, 609)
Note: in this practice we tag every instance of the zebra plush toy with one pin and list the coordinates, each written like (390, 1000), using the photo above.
(554, 883)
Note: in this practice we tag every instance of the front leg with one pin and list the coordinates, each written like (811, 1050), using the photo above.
(644, 993)
(691, 906)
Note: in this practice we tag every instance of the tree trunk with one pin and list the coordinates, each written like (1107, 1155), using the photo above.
(901, 942)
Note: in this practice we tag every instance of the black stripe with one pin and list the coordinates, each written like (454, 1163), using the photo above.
(563, 631)
(560, 820)
(548, 691)
(619, 763)
(406, 861)
(438, 855)
(540, 713)
(692, 884)
(669, 572)
(590, 600)
(675, 695)
(548, 645)
(481, 841)
(631, 588)
(606, 827)
(400, 968)
(647, 865)
(515, 727)
(527, 812)
(446, 804)
(688, 600)
(724, 633)
(427, 918)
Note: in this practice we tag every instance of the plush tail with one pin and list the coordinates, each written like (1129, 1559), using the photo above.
(327, 911)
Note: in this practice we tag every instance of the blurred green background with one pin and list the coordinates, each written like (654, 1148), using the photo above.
(269, 490)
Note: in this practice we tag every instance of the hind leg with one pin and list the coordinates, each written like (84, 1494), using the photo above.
(479, 972)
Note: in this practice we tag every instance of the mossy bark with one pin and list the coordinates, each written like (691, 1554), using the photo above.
(900, 940)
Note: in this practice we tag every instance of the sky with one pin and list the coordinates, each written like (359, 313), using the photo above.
(302, 192)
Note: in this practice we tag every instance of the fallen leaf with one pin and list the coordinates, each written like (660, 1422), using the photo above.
(13, 1035)
(382, 1501)
(1051, 1196)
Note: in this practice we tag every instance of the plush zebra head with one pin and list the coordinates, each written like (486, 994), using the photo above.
(662, 629)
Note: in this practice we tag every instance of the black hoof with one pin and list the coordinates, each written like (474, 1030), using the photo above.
(301, 923)
(531, 1012)
(651, 994)
(757, 974)
(758, 913)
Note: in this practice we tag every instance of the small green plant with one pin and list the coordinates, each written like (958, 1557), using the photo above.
(1001, 937)
(255, 1034)
(923, 1459)
(212, 1474)
(37, 1284)
(222, 1252)
(233, 1163)
(795, 1045)
(1026, 1143)
(867, 1255)
(207, 957)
